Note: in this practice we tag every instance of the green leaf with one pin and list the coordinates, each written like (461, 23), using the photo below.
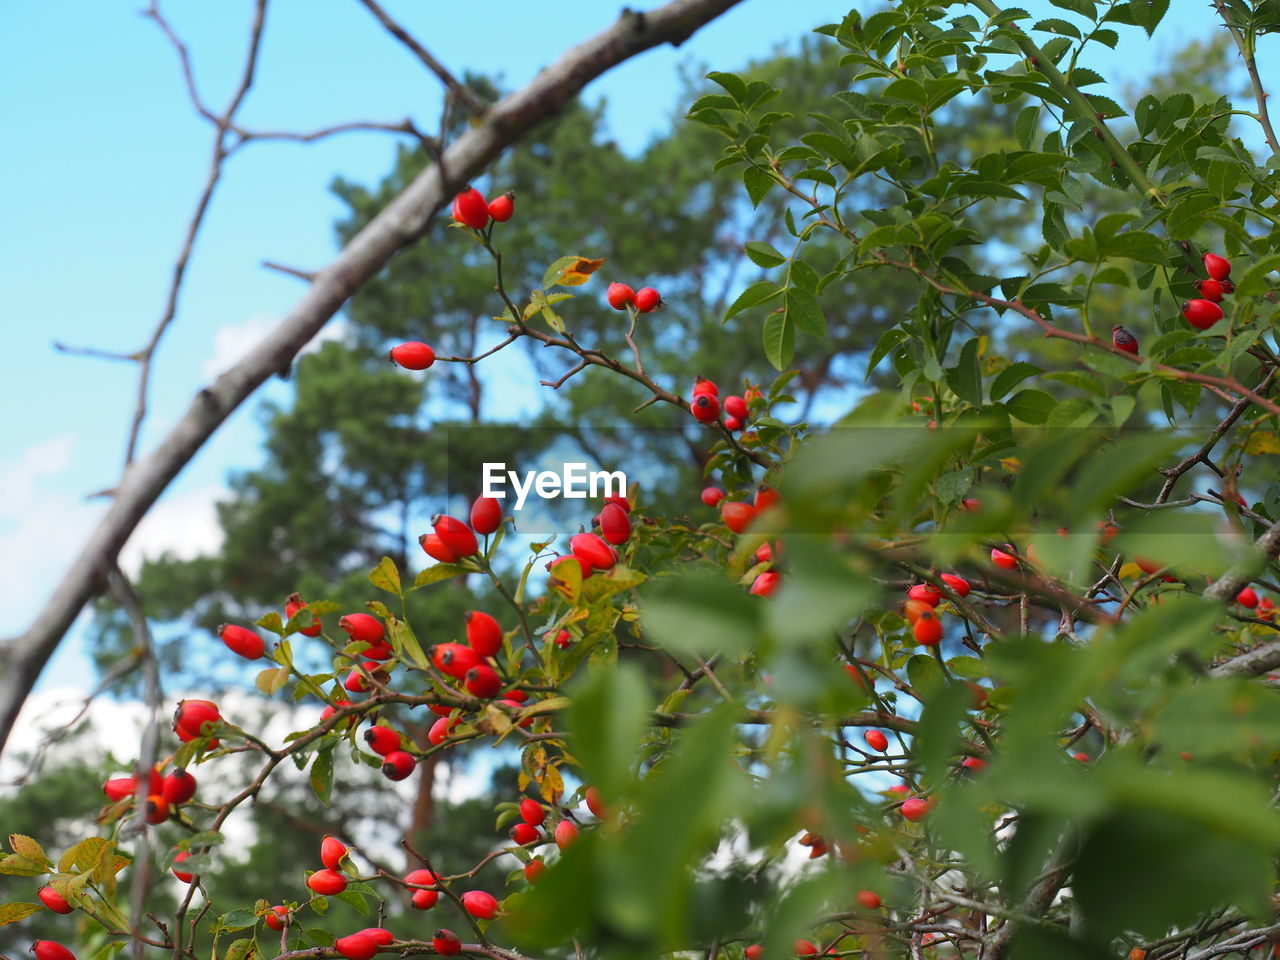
(385, 576)
(1187, 216)
(608, 717)
(243, 949)
(734, 85)
(1253, 281)
(322, 772)
(758, 183)
(239, 919)
(436, 573)
(888, 340)
(754, 295)
(1031, 406)
(802, 308)
(764, 254)
(965, 378)
(779, 338)
(1011, 376)
(700, 611)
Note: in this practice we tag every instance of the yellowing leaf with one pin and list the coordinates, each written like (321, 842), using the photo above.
(84, 854)
(579, 271)
(1011, 464)
(26, 847)
(1262, 441)
(385, 576)
(13, 912)
(272, 680)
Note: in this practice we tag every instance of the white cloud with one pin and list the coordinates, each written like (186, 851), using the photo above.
(235, 341)
(41, 526)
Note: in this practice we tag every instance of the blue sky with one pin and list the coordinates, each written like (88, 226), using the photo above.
(105, 158)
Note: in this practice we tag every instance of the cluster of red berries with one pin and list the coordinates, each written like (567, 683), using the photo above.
(163, 791)
(644, 300)
(532, 816)
(738, 516)
(706, 406)
(451, 539)
(591, 551)
(1203, 312)
(471, 210)
(921, 604)
(1262, 606)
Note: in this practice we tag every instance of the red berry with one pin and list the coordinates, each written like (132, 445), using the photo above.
(157, 809)
(563, 639)
(424, 899)
(712, 495)
(381, 935)
(958, 585)
(446, 943)
(277, 918)
(973, 764)
(1247, 598)
(397, 765)
(594, 803)
(732, 424)
(518, 696)
(620, 296)
(532, 812)
(413, 355)
(484, 633)
(533, 870)
(479, 904)
(804, 948)
(1211, 290)
(753, 952)
(1218, 268)
(647, 300)
(501, 208)
(363, 627)
(358, 680)
(327, 882)
(55, 901)
(766, 584)
(925, 593)
(483, 681)
(356, 946)
(242, 640)
(196, 718)
(439, 732)
(736, 407)
(1201, 314)
(51, 950)
(434, 547)
(454, 659)
(915, 809)
(615, 524)
(486, 515)
(469, 208)
(291, 608)
(876, 740)
(455, 535)
(120, 788)
(1080, 757)
(181, 857)
(1124, 339)
(764, 553)
(591, 549)
(705, 408)
(332, 850)
(522, 833)
(767, 497)
(971, 504)
(421, 877)
(702, 385)
(737, 516)
(927, 630)
(382, 740)
(1003, 560)
(868, 899)
(566, 833)
(178, 787)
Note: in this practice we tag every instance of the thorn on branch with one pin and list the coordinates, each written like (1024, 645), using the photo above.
(291, 271)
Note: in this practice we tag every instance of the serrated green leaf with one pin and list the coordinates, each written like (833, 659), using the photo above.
(1253, 281)
(1011, 376)
(763, 254)
(754, 295)
(758, 183)
(779, 338)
